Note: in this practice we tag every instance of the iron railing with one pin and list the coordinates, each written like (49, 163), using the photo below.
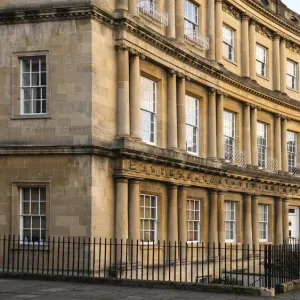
(236, 157)
(271, 165)
(197, 38)
(295, 170)
(153, 13)
(263, 266)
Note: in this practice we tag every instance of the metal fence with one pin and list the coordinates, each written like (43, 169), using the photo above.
(266, 266)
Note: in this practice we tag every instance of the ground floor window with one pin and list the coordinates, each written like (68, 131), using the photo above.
(193, 220)
(263, 222)
(230, 221)
(33, 214)
(148, 221)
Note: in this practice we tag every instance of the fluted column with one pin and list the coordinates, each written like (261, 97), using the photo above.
(284, 145)
(210, 17)
(213, 217)
(220, 125)
(254, 152)
(133, 7)
(121, 218)
(247, 220)
(254, 209)
(171, 32)
(278, 222)
(276, 63)
(182, 202)
(135, 101)
(219, 31)
(285, 220)
(181, 113)
(172, 111)
(277, 137)
(134, 210)
(221, 219)
(123, 123)
(121, 4)
(247, 133)
(179, 21)
(252, 50)
(283, 65)
(212, 133)
(245, 45)
(172, 217)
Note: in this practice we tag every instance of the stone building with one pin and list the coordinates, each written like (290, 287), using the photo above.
(151, 120)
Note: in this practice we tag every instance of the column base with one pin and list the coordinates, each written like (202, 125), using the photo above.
(213, 158)
(252, 167)
(120, 13)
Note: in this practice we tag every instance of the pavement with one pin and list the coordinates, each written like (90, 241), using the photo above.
(45, 290)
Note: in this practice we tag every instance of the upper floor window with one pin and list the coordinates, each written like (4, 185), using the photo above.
(33, 214)
(229, 135)
(230, 221)
(192, 124)
(261, 60)
(263, 222)
(190, 17)
(262, 144)
(193, 220)
(148, 221)
(33, 85)
(291, 75)
(292, 150)
(148, 110)
(228, 43)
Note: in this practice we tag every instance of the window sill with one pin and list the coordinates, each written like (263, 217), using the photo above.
(263, 77)
(230, 61)
(26, 117)
(292, 90)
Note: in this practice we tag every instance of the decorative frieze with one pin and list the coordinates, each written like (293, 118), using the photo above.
(230, 9)
(264, 31)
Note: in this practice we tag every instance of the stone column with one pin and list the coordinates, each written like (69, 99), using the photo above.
(212, 131)
(247, 133)
(134, 210)
(123, 123)
(254, 209)
(181, 113)
(210, 17)
(252, 50)
(121, 218)
(277, 137)
(172, 217)
(284, 145)
(213, 218)
(219, 31)
(172, 111)
(133, 7)
(182, 202)
(278, 221)
(285, 220)
(121, 4)
(247, 220)
(276, 63)
(220, 125)
(221, 220)
(179, 12)
(254, 152)
(283, 66)
(171, 32)
(135, 101)
(245, 45)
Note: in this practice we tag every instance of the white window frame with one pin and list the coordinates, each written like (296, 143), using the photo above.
(192, 24)
(195, 125)
(192, 220)
(31, 87)
(148, 110)
(232, 137)
(265, 221)
(143, 219)
(230, 45)
(262, 165)
(292, 155)
(262, 71)
(232, 221)
(293, 76)
(31, 215)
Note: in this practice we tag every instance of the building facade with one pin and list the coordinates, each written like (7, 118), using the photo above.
(150, 120)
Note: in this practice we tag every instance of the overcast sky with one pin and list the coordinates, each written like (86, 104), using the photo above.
(293, 5)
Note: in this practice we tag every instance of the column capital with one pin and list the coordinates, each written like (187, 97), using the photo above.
(172, 186)
(279, 198)
(183, 187)
(286, 199)
(180, 75)
(245, 17)
(283, 39)
(121, 179)
(171, 71)
(252, 22)
(276, 36)
(221, 192)
(219, 1)
(121, 46)
(212, 90)
(134, 181)
(187, 78)
(246, 194)
(134, 52)
(246, 104)
(212, 191)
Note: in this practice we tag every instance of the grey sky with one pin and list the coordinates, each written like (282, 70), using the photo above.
(293, 5)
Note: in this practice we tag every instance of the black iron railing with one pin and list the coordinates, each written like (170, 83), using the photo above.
(265, 266)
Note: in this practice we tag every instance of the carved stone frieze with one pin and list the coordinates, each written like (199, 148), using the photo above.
(264, 31)
(230, 9)
(293, 47)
